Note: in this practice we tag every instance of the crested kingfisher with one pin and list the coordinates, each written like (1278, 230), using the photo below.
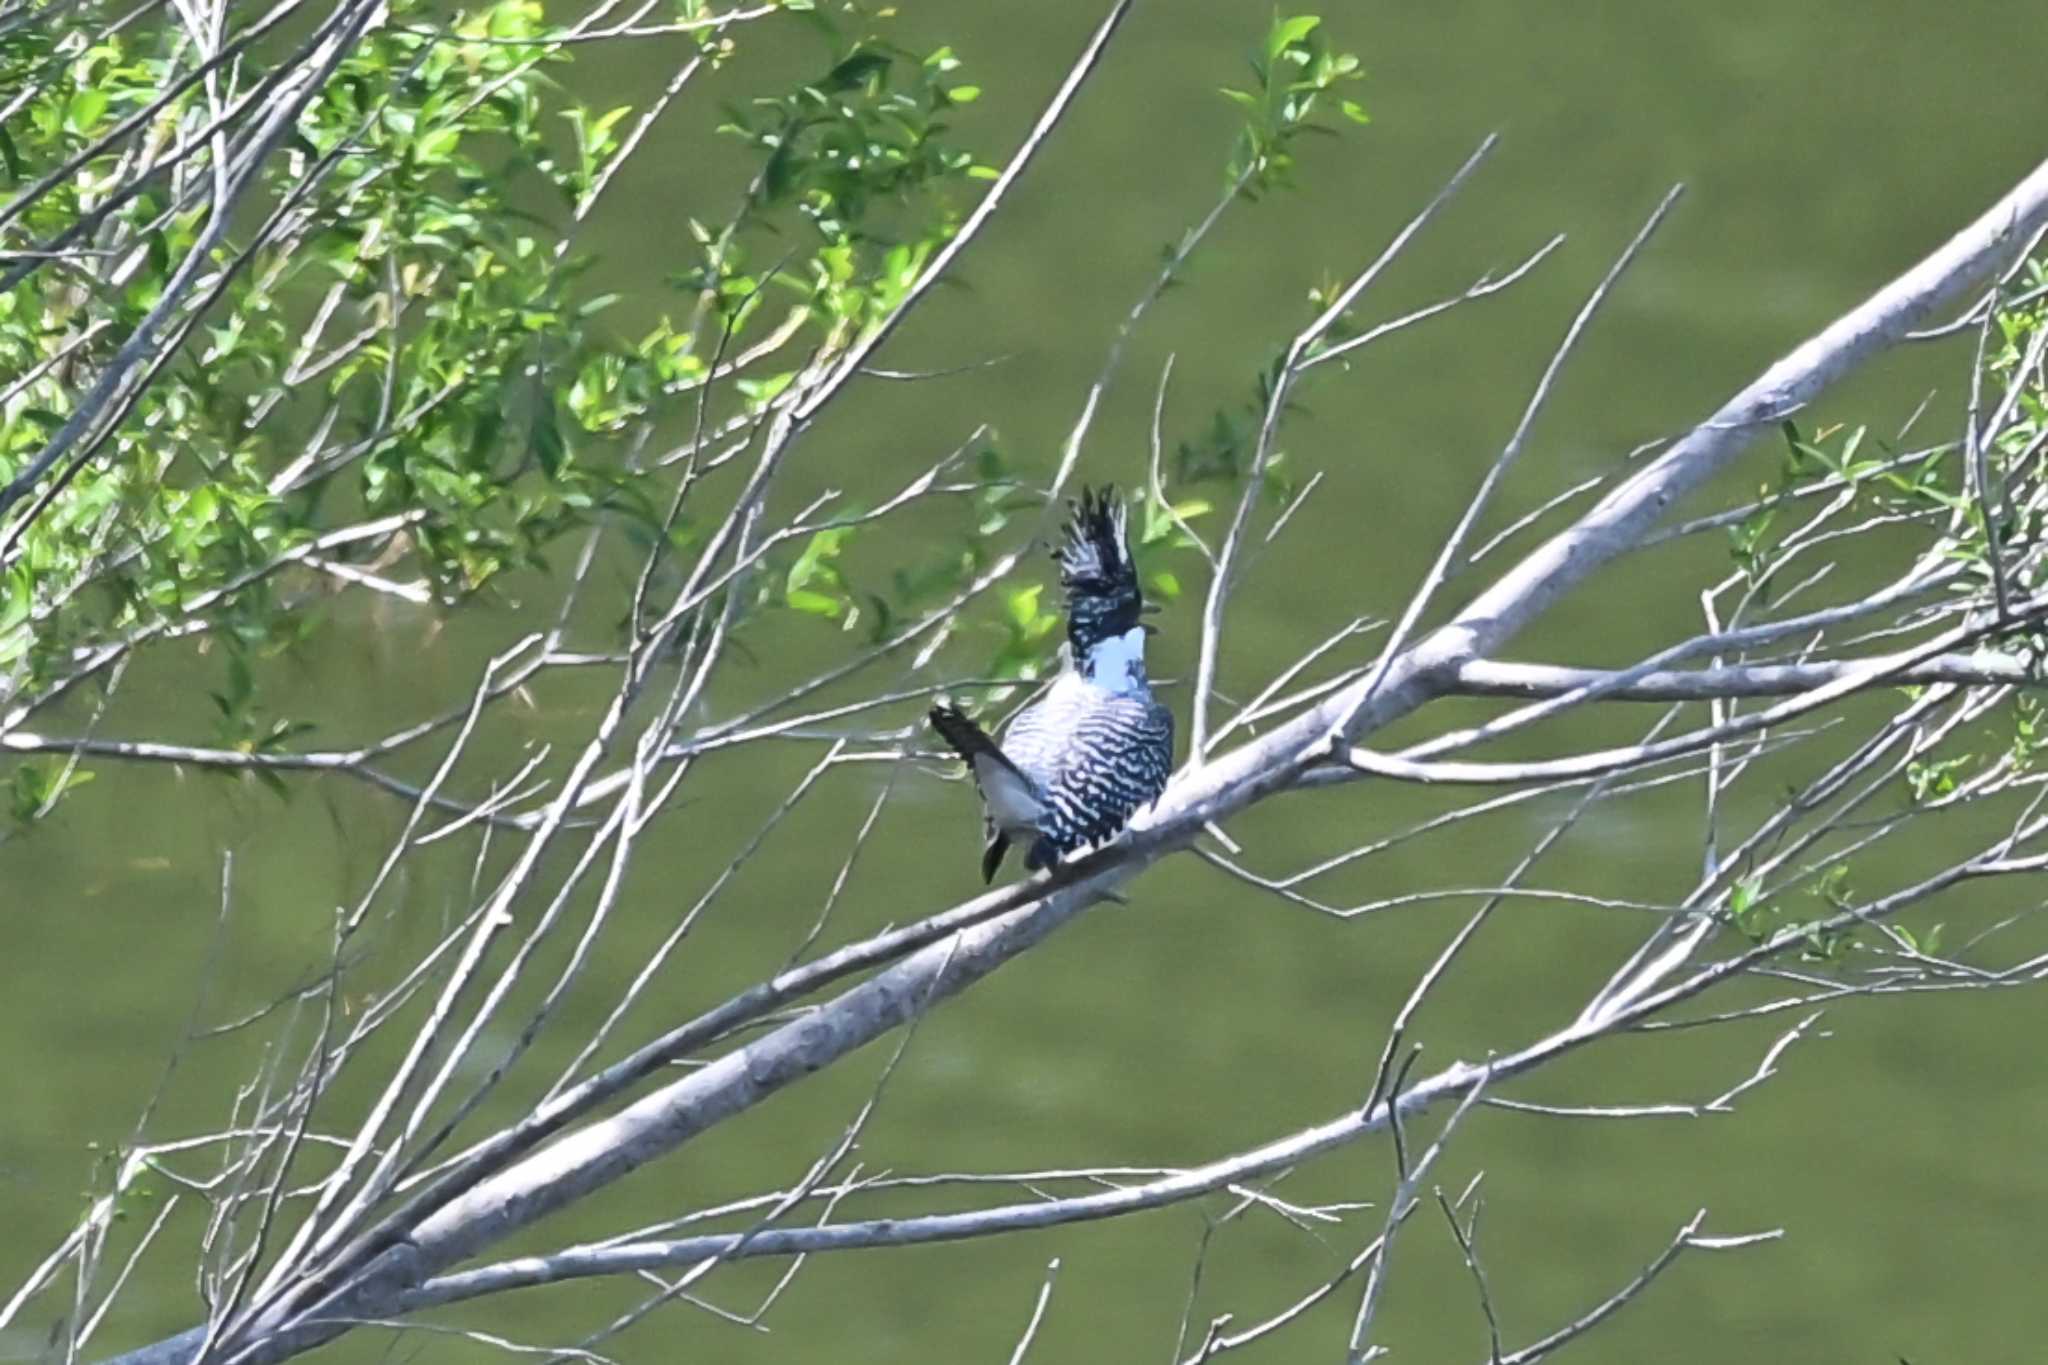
(1075, 765)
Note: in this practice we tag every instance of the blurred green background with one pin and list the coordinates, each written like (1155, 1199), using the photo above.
(1825, 147)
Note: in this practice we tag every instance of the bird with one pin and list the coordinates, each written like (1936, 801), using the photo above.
(1074, 766)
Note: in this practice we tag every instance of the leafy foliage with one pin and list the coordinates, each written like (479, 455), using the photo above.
(1296, 75)
(393, 355)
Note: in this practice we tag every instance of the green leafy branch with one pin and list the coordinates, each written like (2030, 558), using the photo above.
(1296, 79)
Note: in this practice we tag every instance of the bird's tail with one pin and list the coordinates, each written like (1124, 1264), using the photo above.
(991, 768)
(966, 738)
(1096, 571)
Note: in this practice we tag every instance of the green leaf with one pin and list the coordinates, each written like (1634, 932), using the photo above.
(815, 603)
(600, 131)
(780, 172)
(1287, 32)
(855, 70)
(438, 145)
(86, 107)
(815, 563)
(545, 438)
(1023, 605)
(19, 600)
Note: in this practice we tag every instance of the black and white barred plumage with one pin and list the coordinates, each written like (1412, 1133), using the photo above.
(1078, 763)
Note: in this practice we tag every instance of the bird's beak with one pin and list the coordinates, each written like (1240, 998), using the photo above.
(1149, 609)
(1148, 628)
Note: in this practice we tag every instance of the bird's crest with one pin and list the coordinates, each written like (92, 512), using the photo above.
(1096, 571)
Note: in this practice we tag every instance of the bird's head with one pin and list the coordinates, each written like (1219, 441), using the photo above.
(1096, 571)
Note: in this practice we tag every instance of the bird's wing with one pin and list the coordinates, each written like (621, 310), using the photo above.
(1012, 797)
(1159, 738)
(1036, 732)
